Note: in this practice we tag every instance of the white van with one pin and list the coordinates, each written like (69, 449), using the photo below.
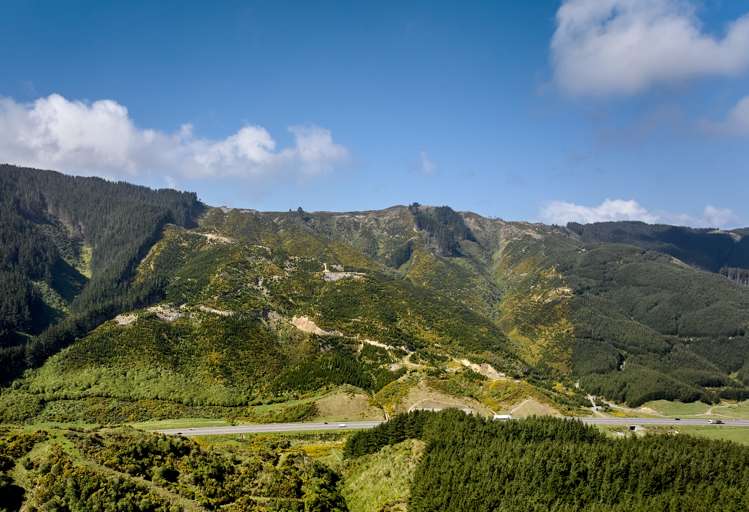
(502, 417)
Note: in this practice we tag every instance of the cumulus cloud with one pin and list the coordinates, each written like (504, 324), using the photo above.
(561, 212)
(717, 217)
(625, 46)
(100, 138)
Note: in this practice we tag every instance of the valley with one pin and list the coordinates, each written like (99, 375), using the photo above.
(423, 256)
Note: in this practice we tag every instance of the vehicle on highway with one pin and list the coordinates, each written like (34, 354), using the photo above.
(342, 425)
(677, 419)
(715, 422)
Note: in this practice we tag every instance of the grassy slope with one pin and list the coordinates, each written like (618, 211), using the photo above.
(382, 481)
(735, 434)
(698, 409)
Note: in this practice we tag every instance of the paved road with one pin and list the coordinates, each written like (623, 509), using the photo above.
(358, 425)
(663, 421)
(270, 427)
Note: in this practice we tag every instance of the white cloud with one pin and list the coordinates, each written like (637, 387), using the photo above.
(426, 166)
(625, 46)
(561, 212)
(736, 123)
(718, 217)
(100, 138)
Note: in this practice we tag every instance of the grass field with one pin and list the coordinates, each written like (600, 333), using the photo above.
(716, 432)
(735, 434)
(737, 410)
(669, 408)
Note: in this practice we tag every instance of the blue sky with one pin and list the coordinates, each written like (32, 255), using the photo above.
(538, 110)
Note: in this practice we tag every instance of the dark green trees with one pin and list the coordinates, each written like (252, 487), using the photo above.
(47, 223)
(472, 464)
(445, 227)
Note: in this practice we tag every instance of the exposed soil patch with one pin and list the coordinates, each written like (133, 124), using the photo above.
(484, 369)
(126, 319)
(166, 312)
(532, 407)
(337, 274)
(347, 405)
(212, 237)
(219, 312)
(422, 397)
(304, 324)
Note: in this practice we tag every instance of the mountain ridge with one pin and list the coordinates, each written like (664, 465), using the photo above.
(406, 302)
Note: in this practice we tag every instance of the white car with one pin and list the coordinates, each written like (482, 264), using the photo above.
(342, 425)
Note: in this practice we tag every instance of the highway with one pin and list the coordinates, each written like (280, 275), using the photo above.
(663, 422)
(262, 428)
(358, 425)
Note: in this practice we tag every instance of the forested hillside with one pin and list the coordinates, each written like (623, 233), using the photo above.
(644, 325)
(710, 249)
(542, 464)
(180, 309)
(608, 305)
(68, 248)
